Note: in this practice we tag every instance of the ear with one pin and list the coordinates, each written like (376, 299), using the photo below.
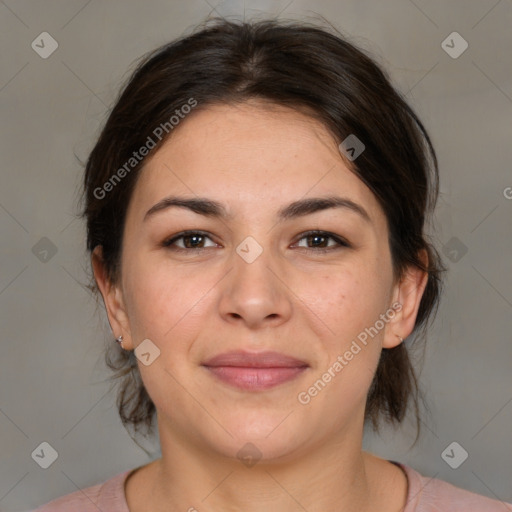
(112, 298)
(407, 294)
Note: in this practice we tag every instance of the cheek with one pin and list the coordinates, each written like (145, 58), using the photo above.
(150, 302)
(165, 303)
(349, 303)
(349, 300)
(150, 295)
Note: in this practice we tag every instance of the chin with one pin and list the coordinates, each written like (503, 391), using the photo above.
(266, 437)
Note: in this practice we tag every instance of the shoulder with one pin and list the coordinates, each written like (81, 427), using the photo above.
(108, 495)
(427, 494)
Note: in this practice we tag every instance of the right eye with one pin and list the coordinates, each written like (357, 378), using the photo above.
(190, 240)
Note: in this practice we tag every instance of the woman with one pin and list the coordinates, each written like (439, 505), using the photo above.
(256, 207)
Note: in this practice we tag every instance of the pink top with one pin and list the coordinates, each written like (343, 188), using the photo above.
(424, 495)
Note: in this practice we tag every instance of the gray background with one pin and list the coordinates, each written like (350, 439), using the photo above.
(52, 377)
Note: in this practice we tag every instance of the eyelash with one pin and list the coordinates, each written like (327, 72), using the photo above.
(325, 234)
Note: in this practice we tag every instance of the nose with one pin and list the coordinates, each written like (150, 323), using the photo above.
(255, 293)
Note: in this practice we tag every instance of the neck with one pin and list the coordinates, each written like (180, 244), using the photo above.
(330, 477)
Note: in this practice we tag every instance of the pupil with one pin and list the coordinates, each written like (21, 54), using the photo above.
(189, 237)
(316, 237)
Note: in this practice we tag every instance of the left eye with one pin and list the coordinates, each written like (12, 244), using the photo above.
(319, 238)
(196, 240)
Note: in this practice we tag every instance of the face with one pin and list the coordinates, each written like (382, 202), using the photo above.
(250, 276)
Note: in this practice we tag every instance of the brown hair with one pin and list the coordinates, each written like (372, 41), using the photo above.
(303, 67)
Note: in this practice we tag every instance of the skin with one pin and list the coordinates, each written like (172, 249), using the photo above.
(310, 305)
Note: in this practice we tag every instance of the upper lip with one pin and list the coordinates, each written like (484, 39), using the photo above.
(267, 359)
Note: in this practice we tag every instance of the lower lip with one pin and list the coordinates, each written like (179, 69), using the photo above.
(254, 379)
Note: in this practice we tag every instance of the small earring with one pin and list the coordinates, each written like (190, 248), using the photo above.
(400, 338)
(119, 340)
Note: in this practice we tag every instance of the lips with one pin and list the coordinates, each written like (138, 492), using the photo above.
(255, 360)
(253, 371)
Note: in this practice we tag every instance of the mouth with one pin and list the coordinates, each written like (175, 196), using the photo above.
(254, 371)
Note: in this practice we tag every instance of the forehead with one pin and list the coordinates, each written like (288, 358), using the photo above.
(249, 155)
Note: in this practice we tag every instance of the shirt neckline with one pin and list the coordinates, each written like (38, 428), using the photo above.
(119, 482)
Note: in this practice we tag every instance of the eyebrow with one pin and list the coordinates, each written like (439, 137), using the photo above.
(300, 208)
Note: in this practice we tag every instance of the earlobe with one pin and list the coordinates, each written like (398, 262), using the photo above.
(408, 294)
(112, 297)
